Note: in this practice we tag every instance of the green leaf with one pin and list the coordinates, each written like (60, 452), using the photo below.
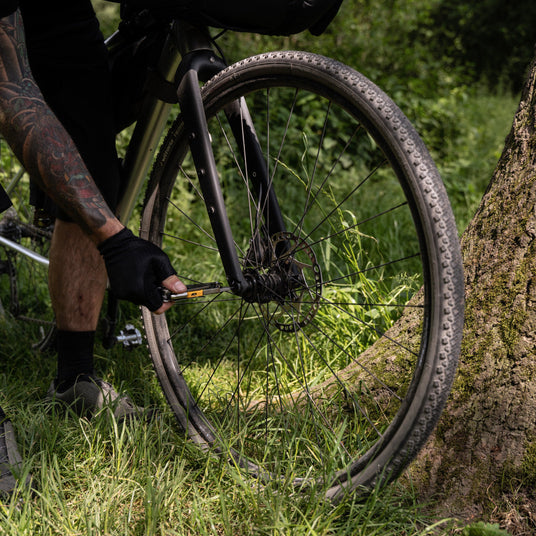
(483, 529)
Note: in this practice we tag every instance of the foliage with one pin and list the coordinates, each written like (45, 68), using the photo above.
(398, 47)
(108, 14)
(492, 40)
(483, 529)
(102, 477)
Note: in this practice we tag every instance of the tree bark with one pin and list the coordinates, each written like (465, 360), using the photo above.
(481, 461)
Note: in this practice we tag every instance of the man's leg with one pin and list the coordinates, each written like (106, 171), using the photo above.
(75, 82)
(77, 278)
(77, 281)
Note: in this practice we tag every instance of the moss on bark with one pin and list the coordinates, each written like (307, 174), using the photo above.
(485, 440)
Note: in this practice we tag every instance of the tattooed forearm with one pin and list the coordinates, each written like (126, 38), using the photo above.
(38, 138)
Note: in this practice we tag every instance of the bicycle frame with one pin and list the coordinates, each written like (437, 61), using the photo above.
(6, 242)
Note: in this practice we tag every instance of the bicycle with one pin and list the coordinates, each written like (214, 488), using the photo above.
(324, 341)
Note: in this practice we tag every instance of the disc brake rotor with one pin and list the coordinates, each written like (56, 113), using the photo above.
(297, 298)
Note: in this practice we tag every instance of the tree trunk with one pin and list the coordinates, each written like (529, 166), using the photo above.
(481, 460)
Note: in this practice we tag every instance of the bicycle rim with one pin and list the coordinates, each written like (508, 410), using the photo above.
(336, 375)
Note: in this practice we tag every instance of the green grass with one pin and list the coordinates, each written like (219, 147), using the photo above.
(98, 477)
(468, 157)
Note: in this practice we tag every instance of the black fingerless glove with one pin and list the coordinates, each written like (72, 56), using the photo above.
(136, 268)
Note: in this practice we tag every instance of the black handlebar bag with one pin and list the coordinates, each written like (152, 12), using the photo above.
(271, 17)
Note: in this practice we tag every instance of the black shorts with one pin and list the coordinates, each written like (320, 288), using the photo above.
(69, 62)
(7, 7)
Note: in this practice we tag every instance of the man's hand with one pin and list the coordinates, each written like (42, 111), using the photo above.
(137, 268)
(176, 286)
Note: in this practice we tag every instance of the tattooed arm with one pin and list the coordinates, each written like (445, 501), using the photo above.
(136, 268)
(40, 141)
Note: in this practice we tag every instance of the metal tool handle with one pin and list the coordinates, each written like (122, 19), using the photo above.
(194, 291)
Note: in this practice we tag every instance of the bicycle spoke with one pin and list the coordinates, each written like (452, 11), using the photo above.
(372, 268)
(195, 224)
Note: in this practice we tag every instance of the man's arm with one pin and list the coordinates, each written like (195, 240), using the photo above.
(136, 268)
(40, 141)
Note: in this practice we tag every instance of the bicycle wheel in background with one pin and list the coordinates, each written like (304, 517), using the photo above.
(24, 280)
(337, 374)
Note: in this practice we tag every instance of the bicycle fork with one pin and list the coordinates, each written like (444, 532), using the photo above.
(193, 112)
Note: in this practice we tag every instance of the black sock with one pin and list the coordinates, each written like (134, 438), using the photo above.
(75, 356)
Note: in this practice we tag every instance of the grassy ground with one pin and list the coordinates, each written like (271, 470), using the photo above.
(98, 477)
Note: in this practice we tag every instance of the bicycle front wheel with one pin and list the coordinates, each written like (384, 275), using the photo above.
(335, 372)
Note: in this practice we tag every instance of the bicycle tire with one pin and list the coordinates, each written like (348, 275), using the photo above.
(360, 354)
(24, 291)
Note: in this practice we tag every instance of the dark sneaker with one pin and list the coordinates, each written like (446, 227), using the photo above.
(10, 459)
(89, 394)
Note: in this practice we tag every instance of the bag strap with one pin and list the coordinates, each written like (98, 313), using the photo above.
(5, 202)
(319, 27)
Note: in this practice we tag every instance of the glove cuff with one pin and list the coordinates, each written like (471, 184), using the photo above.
(115, 241)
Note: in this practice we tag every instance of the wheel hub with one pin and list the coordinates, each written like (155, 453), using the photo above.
(290, 279)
